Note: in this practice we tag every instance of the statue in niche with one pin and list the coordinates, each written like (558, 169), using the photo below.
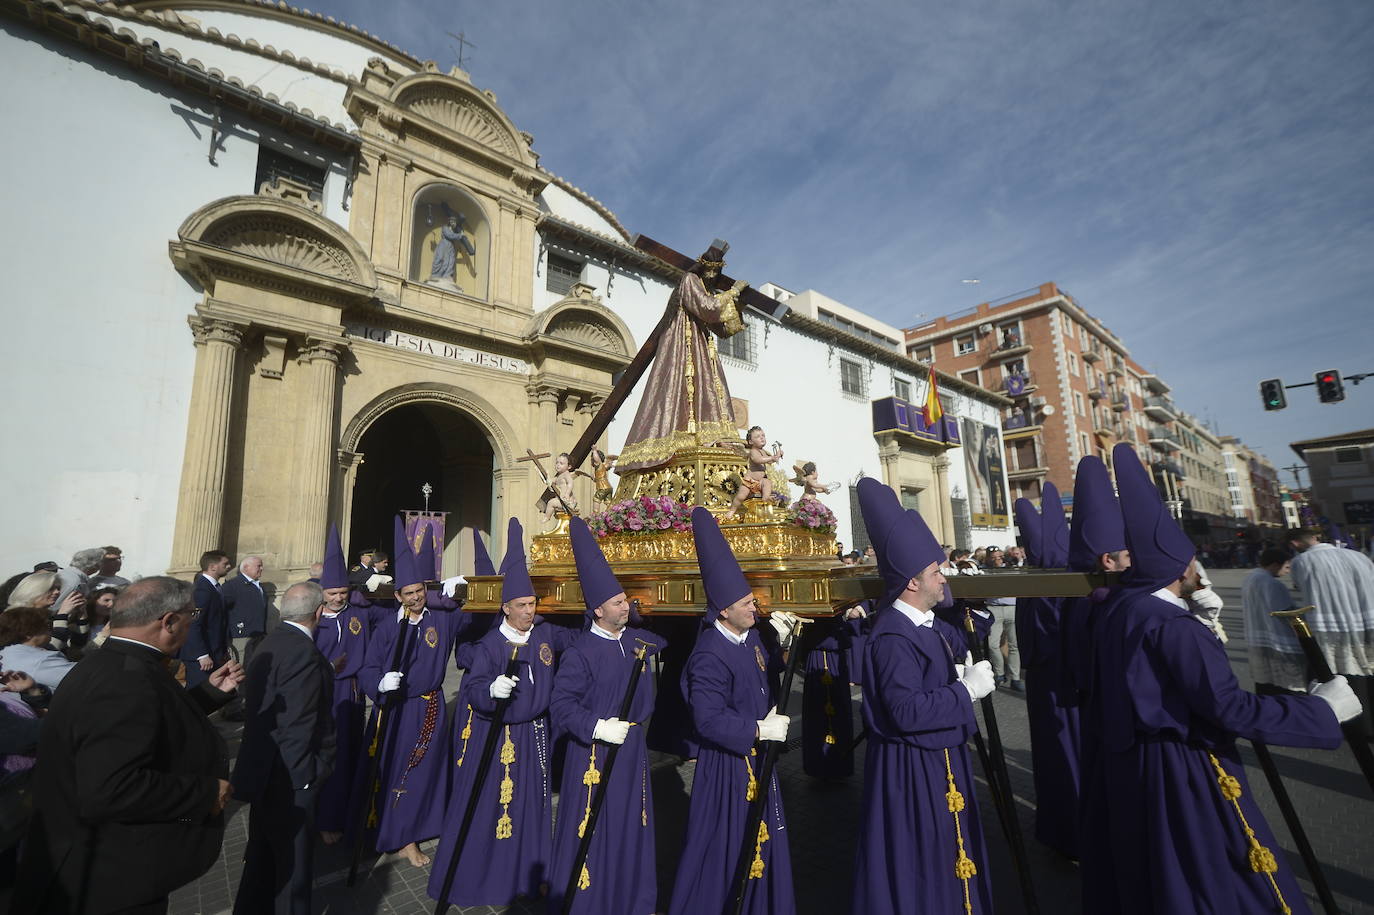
(452, 236)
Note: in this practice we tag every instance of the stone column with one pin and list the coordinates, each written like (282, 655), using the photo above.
(942, 499)
(315, 447)
(200, 503)
(347, 468)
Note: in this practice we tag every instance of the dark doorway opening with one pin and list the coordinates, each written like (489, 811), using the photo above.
(410, 446)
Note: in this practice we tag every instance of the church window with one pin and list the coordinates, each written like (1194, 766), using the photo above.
(902, 388)
(273, 165)
(562, 273)
(851, 378)
(739, 345)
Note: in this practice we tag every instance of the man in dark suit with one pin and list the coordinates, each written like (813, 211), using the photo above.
(132, 780)
(245, 607)
(207, 644)
(286, 756)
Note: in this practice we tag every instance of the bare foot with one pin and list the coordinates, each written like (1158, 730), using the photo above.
(729, 517)
(331, 838)
(413, 854)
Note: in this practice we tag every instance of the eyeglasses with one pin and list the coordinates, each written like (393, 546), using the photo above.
(193, 614)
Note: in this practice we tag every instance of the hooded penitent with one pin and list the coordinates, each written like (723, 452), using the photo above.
(1028, 523)
(407, 568)
(1097, 526)
(904, 544)
(481, 563)
(720, 572)
(593, 571)
(1160, 551)
(335, 574)
(515, 582)
(1054, 529)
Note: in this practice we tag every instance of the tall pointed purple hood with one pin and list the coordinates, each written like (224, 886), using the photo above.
(515, 582)
(481, 563)
(1028, 523)
(1097, 526)
(335, 574)
(1054, 529)
(406, 569)
(902, 540)
(721, 575)
(593, 571)
(1160, 551)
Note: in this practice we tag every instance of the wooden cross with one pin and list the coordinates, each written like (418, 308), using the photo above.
(549, 488)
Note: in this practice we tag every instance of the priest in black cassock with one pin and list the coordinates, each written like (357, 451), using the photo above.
(592, 679)
(921, 847)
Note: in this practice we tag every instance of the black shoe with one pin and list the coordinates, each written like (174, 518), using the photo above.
(1017, 686)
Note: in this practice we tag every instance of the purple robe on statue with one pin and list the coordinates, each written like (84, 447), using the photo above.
(507, 848)
(591, 681)
(919, 718)
(1166, 705)
(827, 713)
(728, 688)
(343, 635)
(408, 797)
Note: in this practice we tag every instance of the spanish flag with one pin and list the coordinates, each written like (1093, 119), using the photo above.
(931, 411)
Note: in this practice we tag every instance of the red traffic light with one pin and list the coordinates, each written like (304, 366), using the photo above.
(1329, 386)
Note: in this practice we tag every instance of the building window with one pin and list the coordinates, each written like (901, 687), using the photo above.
(1078, 405)
(273, 165)
(1073, 363)
(851, 378)
(966, 344)
(1084, 341)
(924, 354)
(971, 376)
(562, 273)
(1347, 455)
(1083, 443)
(902, 388)
(739, 345)
(1009, 335)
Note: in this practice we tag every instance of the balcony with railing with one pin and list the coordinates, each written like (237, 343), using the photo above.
(1097, 391)
(1155, 385)
(1018, 384)
(1013, 344)
(1020, 424)
(1163, 439)
(1092, 354)
(1120, 402)
(1161, 409)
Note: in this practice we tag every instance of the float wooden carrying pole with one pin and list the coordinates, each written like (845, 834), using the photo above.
(1322, 670)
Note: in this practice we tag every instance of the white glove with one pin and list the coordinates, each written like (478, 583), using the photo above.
(390, 681)
(375, 581)
(611, 730)
(774, 726)
(782, 623)
(1206, 599)
(1337, 694)
(450, 585)
(959, 668)
(978, 680)
(502, 687)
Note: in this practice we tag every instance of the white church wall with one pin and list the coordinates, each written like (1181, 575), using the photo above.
(570, 209)
(109, 165)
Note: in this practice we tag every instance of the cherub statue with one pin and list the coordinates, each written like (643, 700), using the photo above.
(601, 476)
(805, 476)
(755, 482)
(562, 484)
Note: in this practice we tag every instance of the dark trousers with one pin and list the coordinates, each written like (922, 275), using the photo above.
(277, 861)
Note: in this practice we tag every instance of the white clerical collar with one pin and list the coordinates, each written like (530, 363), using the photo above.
(306, 632)
(919, 617)
(400, 614)
(1171, 597)
(608, 636)
(514, 635)
(737, 639)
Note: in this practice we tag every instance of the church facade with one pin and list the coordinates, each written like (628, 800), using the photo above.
(269, 271)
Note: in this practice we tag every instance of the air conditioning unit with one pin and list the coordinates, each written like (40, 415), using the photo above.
(984, 328)
(1037, 401)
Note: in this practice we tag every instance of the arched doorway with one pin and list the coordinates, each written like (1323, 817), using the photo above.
(408, 446)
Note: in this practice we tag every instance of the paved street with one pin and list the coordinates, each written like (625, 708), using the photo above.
(822, 823)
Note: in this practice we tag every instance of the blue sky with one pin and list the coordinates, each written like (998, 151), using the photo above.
(1198, 175)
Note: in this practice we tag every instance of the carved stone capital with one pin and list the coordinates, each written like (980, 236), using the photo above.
(319, 350)
(215, 331)
(282, 188)
(542, 392)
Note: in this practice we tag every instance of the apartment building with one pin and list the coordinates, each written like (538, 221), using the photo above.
(1252, 483)
(1341, 468)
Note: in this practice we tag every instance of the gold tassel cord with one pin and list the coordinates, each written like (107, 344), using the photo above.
(504, 828)
(751, 787)
(756, 867)
(1262, 860)
(585, 880)
(964, 868)
(826, 681)
(590, 778)
(467, 733)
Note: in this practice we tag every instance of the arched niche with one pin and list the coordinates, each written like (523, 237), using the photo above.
(455, 257)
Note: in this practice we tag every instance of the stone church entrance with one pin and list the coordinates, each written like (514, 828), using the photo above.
(408, 446)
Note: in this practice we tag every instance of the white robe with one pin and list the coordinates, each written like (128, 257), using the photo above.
(1340, 583)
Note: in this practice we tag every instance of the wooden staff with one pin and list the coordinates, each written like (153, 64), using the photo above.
(1002, 795)
(1290, 816)
(584, 845)
(1317, 661)
(498, 720)
(374, 750)
(734, 903)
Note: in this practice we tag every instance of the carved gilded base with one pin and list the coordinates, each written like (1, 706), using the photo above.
(702, 476)
(764, 544)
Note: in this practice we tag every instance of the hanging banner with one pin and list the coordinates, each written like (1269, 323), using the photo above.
(987, 479)
(418, 523)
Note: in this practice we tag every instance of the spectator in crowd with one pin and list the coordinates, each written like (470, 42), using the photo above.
(37, 589)
(111, 561)
(98, 610)
(245, 606)
(1016, 557)
(996, 559)
(206, 646)
(1276, 658)
(19, 730)
(850, 559)
(24, 636)
(129, 797)
(870, 556)
(316, 570)
(980, 556)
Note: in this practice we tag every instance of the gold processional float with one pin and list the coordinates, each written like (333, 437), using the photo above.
(790, 566)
